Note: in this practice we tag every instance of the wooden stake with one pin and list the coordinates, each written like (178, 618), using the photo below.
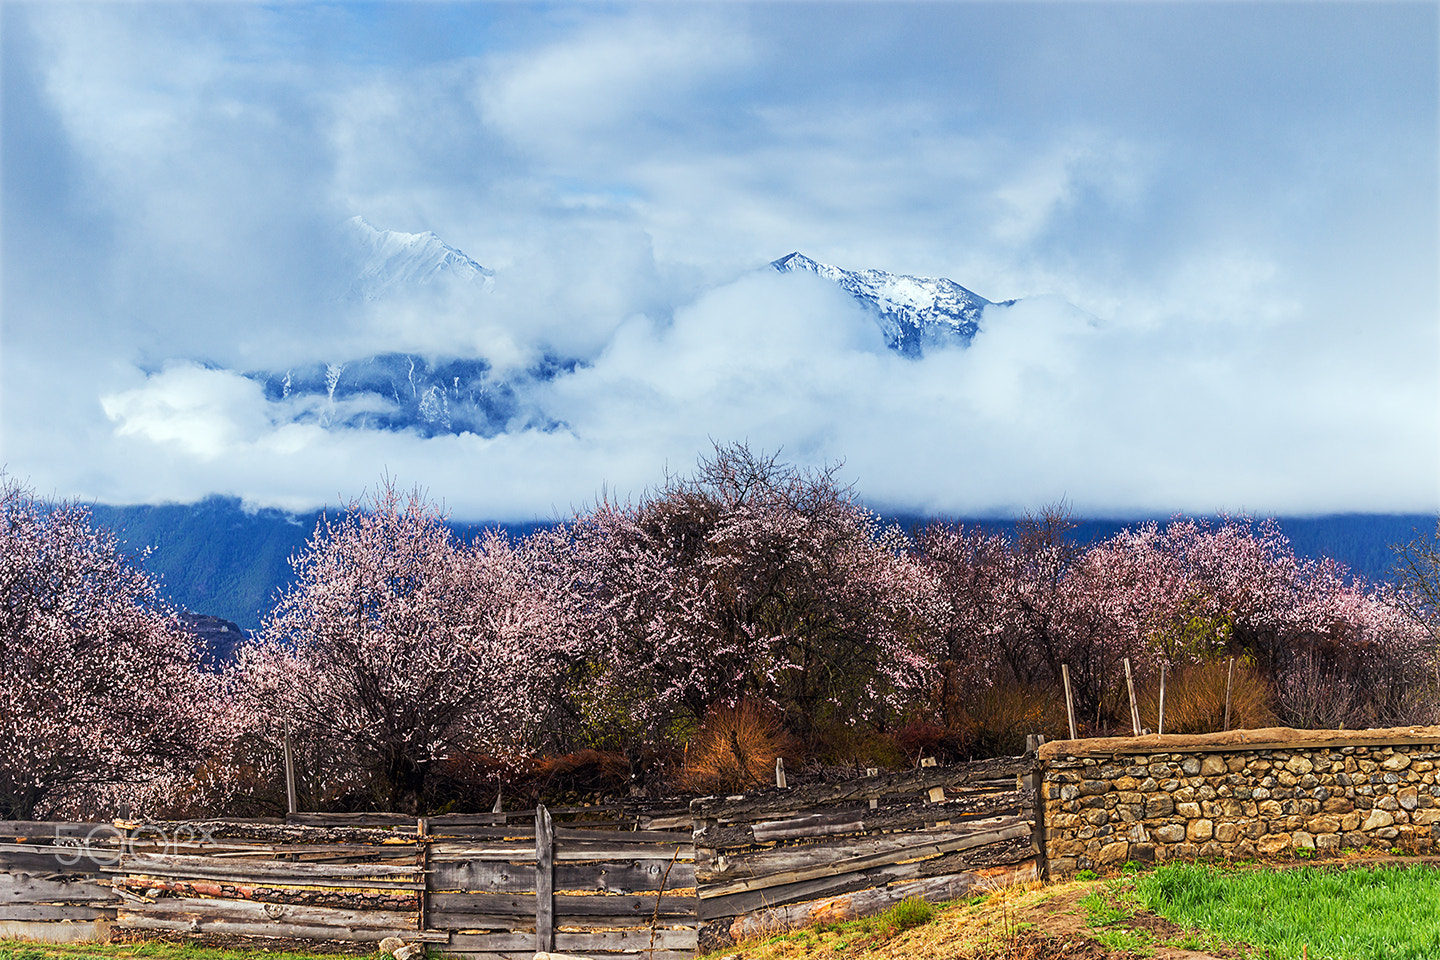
(544, 881)
(780, 772)
(1160, 724)
(1229, 680)
(499, 802)
(937, 794)
(872, 772)
(1069, 700)
(1134, 708)
(422, 833)
(290, 799)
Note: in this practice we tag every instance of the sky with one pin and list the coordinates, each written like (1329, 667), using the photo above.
(1220, 221)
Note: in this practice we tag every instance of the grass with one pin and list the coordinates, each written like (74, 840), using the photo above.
(155, 950)
(1356, 913)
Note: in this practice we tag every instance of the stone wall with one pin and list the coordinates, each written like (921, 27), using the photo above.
(1240, 795)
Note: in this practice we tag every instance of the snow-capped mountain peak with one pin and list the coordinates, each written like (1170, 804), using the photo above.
(388, 260)
(912, 312)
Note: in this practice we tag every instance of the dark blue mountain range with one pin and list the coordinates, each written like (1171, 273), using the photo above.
(217, 558)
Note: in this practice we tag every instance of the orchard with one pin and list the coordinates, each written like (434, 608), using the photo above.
(748, 611)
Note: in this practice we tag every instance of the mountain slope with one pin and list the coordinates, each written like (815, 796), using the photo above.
(912, 312)
(388, 261)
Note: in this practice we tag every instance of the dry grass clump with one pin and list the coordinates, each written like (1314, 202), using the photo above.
(1195, 699)
(735, 749)
(998, 718)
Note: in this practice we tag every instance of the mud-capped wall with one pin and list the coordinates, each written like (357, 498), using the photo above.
(1238, 795)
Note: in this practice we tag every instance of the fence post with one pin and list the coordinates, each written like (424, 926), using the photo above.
(873, 772)
(544, 881)
(1229, 678)
(1033, 742)
(1134, 707)
(1069, 700)
(1160, 723)
(290, 802)
(422, 837)
(780, 772)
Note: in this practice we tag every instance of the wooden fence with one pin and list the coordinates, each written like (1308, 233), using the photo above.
(786, 858)
(628, 879)
(50, 888)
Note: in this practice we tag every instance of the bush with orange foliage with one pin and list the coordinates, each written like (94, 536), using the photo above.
(735, 749)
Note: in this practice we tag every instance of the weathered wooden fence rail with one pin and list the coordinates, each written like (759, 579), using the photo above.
(651, 881)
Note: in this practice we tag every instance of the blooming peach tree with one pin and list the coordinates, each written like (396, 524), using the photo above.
(102, 696)
(395, 645)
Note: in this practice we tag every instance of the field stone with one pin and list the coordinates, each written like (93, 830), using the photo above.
(1169, 833)
(1377, 820)
(1117, 852)
(1275, 843)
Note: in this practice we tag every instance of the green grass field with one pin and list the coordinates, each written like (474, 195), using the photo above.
(1354, 913)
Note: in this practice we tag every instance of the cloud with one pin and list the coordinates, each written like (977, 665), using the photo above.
(1048, 402)
(1250, 252)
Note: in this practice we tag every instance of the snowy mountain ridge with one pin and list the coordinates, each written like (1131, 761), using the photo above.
(437, 395)
(387, 261)
(912, 312)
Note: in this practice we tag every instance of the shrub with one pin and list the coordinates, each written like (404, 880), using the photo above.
(735, 749)
(999, 717)
(1195, 699)
(910, 912)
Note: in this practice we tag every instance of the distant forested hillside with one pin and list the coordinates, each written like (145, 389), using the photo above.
(217, 558)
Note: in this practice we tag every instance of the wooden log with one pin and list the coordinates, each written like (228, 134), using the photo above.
(51, 888)
(544, 882)
(679, 822)
(352, 819)
(566, 905)
(617, 878)
(814, 825)
(278, 871)
(263, 832)
(776, 860)
(54, 911)
(916, 849)
(44, 931)
(403, 901)
(251, 912)
(750, 900)
(244, 928)
(958, 810)
(52, 829)
(586, 944)
(864, 903)
(566, 853)
(766, 804)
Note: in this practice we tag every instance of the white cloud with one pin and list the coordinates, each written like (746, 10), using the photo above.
(1255, 276)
